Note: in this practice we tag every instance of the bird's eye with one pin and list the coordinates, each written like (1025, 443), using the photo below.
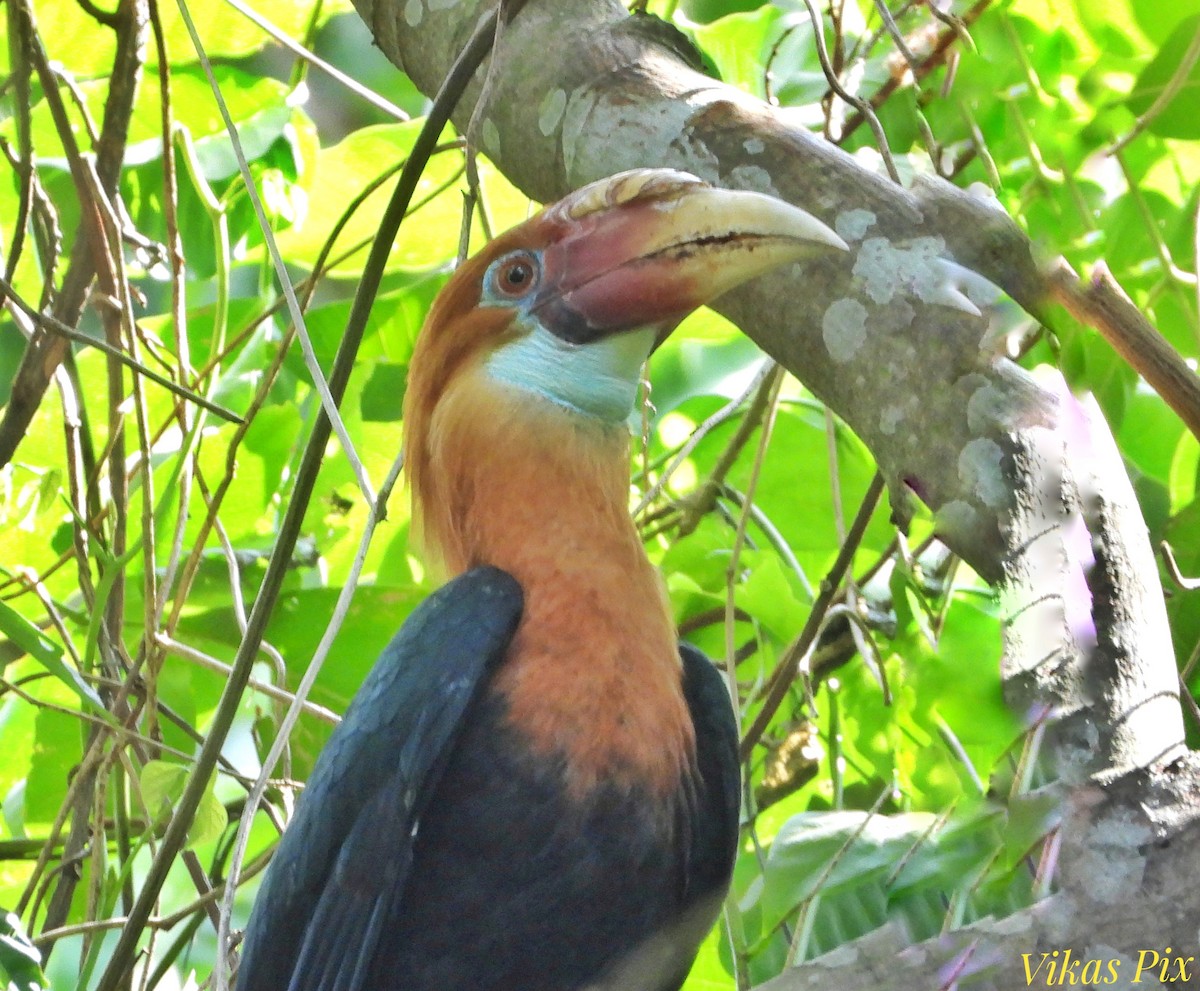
(516, 275)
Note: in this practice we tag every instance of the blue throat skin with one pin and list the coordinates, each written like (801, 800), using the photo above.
(598, 379)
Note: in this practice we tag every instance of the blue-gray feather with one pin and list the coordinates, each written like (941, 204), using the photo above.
(345, 856)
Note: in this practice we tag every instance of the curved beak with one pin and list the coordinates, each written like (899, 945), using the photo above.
(645, 248)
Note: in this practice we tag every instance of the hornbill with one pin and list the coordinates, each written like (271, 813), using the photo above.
(536, 787)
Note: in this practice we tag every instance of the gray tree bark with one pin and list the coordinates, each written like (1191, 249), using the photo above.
(1025, 481)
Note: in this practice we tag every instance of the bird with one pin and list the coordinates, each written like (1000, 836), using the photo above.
(537, 786)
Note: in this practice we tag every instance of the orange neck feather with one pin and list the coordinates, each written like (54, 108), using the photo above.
(506, 478)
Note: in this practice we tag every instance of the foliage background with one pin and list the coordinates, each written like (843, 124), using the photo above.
(892, 781)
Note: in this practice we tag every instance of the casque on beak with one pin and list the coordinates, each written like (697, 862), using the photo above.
(645, 248)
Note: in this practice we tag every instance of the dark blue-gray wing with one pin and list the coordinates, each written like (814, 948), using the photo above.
(715, 813)
(344, 858)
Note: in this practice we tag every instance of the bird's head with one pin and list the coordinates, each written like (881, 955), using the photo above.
(563, 310)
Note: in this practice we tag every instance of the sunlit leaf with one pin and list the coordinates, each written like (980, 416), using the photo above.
(162, 784)
(1178, 118)
(50, 655)
(739, 45)
(87, 48)
(1184, 473)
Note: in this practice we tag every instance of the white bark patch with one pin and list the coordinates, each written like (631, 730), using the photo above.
(754, 146)
(889, 270)
(575, 117)
(414, 13)
(1111, 865)
(987, 408)
(894, 414)
(844, 328)
(752, 177)
(491, 137)
(851, 225)
(980, 471)
(550, 112)
(890, 418)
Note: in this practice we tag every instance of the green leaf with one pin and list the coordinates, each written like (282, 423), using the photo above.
(87, 49)
(1111, 24)
(12, 344)
(739, 45)
(257, 104)
(706, 356)
(696, 567)
(1185, 469)
(58, 745)
(770, 595)
(1031, 818)
(1092, 365)
(822, 851)
(910, 604)
(427, 238)
(708, 973)
(1158, 20)
(1150, 434)
(1179, 118)
(382, 399)
(162, 785)
(210, 820)
(272, 435)
(962, 679)
(1183, 533)
(50, 655)
(20, 962)
(868, 869)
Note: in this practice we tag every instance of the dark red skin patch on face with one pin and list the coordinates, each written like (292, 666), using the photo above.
(645, 293)
(597, 279)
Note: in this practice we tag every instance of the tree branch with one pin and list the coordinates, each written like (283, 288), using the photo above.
(1102, 304)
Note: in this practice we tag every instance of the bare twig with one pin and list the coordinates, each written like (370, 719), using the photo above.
(941, 52)
(1177, 576)
(785, 671)
(164, 922)
(45, 353)
(739, 541)
(857, 102)
(54, 326)
(892, 29)
(265, 688)
(725, 413)
(328, 403)
(1103, 304)
(702, 500)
